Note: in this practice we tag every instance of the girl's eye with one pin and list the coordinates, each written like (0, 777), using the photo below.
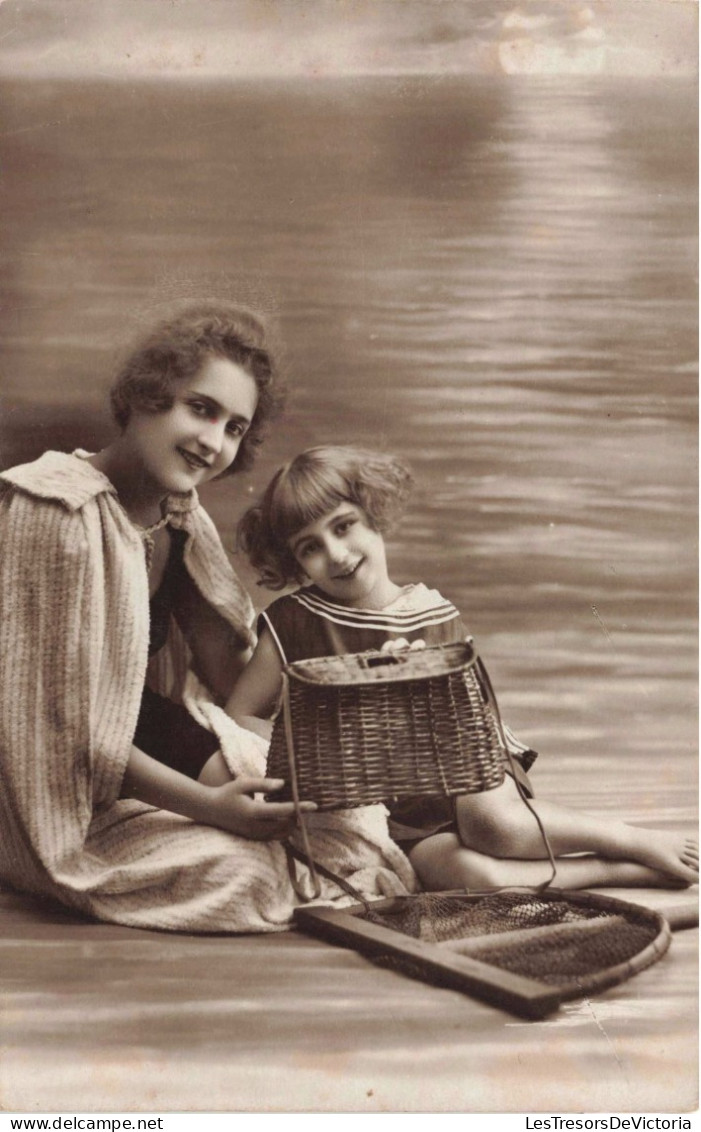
(306, 549)
(235, 428)
(344, 526)
(200, 408)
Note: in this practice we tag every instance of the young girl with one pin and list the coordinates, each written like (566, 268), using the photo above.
(119, 608)
(321, 524)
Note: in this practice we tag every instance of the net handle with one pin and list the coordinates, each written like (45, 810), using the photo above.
(292, 762)
(681, 916)
(492, 700)
(501, 940)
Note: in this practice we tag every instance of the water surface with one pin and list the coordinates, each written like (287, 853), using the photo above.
(492, 278)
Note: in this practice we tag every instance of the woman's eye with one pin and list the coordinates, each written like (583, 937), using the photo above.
(200, 408)
(344, 526)
(235, 428)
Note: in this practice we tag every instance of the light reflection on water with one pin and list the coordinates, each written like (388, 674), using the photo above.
(492, 278)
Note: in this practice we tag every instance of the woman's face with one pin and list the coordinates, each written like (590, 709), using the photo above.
(199, 436)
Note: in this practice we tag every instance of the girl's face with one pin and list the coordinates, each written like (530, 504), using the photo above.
(345, 557)
(199, 436)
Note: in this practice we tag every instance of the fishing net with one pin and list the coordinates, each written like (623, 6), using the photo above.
(370, 727)
(523, 950)
(550, 938)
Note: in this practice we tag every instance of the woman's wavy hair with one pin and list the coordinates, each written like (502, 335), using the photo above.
(176, 350)
(313, 484)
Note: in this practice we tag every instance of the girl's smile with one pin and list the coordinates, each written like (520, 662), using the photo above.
(345, 557)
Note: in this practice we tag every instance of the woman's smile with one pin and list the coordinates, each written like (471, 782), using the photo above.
(199, 436)
(195, 461)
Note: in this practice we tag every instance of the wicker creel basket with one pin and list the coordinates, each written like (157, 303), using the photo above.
(373, 727)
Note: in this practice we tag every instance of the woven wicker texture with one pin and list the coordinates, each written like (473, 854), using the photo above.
(569, 941)
(372, 727)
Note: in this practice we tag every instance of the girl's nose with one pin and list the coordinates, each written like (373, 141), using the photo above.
(335, 551)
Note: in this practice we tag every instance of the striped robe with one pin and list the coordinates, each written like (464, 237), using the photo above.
(74, 626)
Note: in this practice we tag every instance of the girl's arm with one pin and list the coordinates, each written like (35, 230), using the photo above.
(230, 806)
(258, 688)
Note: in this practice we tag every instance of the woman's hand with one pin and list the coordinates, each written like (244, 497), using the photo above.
(230, 806)
(234, 809)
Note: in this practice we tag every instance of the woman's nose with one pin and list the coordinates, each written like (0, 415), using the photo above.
(211, 436)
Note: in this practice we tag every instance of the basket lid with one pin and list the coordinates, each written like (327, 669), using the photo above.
(376, 667)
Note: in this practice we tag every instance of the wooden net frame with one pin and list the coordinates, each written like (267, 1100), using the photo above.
(523, 951)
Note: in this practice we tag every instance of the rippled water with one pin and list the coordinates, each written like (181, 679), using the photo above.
(494, 278)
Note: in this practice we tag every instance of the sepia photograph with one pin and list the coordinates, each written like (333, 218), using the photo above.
(348, 558)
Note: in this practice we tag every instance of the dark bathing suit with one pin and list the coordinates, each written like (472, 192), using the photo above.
(165, 730)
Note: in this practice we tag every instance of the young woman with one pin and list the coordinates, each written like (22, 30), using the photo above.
(109, 559)
(321, 522)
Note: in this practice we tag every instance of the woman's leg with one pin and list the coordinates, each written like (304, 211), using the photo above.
(442, 862)
(498, 824)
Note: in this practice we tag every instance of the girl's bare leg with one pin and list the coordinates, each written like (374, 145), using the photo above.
(442, 862)
(498, 824)
(215, 772)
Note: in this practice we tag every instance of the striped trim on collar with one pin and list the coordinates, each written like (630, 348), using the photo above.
(399, 621)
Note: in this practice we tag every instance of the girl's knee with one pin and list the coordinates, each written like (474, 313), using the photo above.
(490, 823)
(441, 862)
(215, 772)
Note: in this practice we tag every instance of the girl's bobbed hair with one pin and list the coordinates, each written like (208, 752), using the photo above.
(308, 487)
(176, 350)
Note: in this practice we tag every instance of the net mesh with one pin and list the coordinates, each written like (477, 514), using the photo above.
(554, 940)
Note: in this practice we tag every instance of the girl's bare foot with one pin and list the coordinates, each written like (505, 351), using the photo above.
(441, 862)
(670, 853)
